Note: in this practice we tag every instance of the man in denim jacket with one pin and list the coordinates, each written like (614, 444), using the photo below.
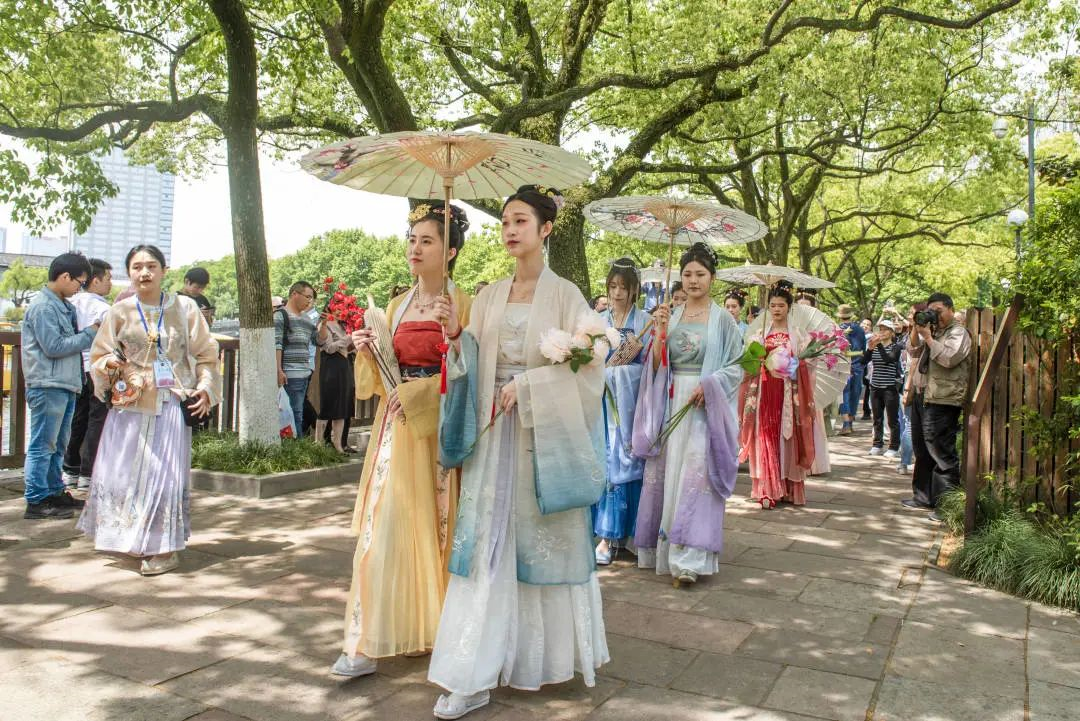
(52, 346)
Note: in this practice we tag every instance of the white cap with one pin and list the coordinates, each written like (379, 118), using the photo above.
(888, 324)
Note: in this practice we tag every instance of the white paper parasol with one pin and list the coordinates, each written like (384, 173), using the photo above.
(675, 221)
(434, 165)
(769, 274)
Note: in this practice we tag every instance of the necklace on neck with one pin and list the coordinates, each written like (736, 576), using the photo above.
(617, 321)
(687, 314)
(421, 305)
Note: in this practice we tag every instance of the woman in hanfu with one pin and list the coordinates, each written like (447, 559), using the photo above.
(735, 303)
(523, 605)
(406, 503)
(152, 353)
(615, 513)
(690, 475)
(808, 297)
(777, 406)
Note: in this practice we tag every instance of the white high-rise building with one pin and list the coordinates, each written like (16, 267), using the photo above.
(141, 212)
(3, 240)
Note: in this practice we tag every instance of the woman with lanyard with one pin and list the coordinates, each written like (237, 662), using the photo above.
(615, 513)
(156, 363)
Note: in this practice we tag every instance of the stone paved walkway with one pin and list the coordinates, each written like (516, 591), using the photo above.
(822, 612)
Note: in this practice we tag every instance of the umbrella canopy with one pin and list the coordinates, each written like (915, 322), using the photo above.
(684, 222)
(768, 274)
(425, 164)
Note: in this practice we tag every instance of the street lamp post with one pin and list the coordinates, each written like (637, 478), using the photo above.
(1016, 219)
(1000, 129)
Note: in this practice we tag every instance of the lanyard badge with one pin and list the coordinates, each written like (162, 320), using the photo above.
(163, 370)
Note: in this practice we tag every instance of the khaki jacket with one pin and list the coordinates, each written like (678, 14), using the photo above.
(946, 381)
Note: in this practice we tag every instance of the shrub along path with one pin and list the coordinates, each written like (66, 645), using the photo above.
(822, 612)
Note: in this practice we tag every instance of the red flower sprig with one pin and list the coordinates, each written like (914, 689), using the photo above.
(343, 307)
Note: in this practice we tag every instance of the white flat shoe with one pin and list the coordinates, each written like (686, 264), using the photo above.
(603, 558)
(353, 667)
(159, 564)
(457, 705)
(685, 578)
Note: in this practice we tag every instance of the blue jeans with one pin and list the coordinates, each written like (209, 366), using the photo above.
(907, 453)
(296, 388)
(849, 406)
(51, 410)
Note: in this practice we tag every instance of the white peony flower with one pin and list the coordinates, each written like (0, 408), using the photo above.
(599, 351)
(555, 345)
(614, 337)
(580, 340)
(590, 323)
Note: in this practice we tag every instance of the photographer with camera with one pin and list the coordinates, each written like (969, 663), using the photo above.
(940, 348)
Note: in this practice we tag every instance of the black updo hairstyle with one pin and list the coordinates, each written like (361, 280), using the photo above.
(436, 211)
(738, 295)
(624, 269)
(701, 253)
(145, 248)
(545, 201)
(782, 289)
(809, 294)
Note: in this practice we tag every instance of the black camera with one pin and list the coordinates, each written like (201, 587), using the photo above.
(926, 317)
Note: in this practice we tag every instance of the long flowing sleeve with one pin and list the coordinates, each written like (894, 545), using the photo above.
(729, 373)
(204, 349)
(102, 348)
(366, 375)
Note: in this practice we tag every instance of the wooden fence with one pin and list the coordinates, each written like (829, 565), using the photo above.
(13, 427)
(1032, 376)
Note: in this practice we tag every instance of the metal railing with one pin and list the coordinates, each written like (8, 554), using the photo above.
(225, 417)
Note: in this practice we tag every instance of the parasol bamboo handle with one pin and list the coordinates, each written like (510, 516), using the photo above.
(447, 192)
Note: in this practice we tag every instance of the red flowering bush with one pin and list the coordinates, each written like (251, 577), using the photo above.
(342, 307)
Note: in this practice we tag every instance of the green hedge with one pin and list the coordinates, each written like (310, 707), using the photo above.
(224, 452)
(1017, 551)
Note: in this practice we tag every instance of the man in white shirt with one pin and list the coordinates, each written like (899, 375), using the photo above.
(91, 307)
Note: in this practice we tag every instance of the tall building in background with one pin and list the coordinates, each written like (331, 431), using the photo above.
(3, 240)
(141, 212)
(51, 244)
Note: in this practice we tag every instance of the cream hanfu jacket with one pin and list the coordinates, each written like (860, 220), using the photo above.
(559, 428)
(186, 342)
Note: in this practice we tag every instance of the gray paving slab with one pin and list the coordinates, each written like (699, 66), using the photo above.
(570, 701)
(63, 691)
(823, 653)
(681, 630)
(735, 679)
(953, 657)
(857, 596)
(945, 600)
(822, 694)
(1053, 702)
(268, 684)
(639, 661)
(133, 644)
(840, 569)
(902, 699)
(647, 703)
(778, 613)
(1055, 619)
(1054, 656)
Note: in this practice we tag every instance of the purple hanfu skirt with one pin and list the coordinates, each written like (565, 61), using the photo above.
(139, 499)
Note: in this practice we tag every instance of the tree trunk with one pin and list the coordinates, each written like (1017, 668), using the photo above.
(258, 364)
(566, 247)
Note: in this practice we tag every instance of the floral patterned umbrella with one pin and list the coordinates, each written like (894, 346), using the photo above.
(770, 274)
(675, 221)
(448, 165)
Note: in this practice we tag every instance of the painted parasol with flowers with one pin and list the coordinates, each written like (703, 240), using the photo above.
(445, 165)
(675, 221)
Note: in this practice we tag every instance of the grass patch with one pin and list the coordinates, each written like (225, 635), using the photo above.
(224, 452)
(1017, 551)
